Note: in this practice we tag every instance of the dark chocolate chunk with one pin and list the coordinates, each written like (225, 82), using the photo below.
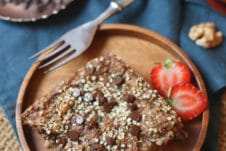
(135, 130)
(53, 135)
(99, 96)
(93, 125)
(73, 135)
(135, 115)
(129, 98)
(109, 106)
(113, 102)
(62, 141)
(110, 141)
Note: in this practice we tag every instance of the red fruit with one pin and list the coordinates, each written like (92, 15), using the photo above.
(188, 101)
(171, 73)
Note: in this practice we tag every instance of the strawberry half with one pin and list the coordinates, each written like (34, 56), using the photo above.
(188, 101)
(164, 76)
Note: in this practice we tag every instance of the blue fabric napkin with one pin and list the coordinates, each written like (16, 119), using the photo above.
(172, 19)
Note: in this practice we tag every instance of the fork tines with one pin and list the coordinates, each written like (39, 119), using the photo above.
(59, 49)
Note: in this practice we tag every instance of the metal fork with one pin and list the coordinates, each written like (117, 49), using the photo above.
(77, 40)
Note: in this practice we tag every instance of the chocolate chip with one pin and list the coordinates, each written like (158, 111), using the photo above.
(109, 106)
(53, 135)
(129, 98)
(73, 135)
(62, 141)
(135, 115)
(132, 107)
(99, 96)
(98, 147)
(110, 141)
(119, 80)
(93, 125)
(135, 130)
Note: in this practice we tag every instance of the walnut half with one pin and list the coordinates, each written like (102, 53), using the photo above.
(205, 35)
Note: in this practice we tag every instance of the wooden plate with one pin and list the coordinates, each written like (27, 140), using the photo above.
(138, 47)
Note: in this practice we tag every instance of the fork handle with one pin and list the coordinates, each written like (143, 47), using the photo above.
(115, 6)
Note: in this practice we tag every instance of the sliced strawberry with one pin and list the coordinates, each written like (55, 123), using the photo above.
(188, 101)
(164, 76)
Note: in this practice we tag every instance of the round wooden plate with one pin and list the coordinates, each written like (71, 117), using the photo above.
(138, 47)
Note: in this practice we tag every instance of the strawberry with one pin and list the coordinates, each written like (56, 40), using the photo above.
(188, 101)
(164, 76)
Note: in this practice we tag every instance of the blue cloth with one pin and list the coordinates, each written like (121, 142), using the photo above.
(171, 18)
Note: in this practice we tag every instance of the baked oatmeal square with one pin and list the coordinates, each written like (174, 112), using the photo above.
(104, 106)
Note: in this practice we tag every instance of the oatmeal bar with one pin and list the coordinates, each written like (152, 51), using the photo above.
(104, 106)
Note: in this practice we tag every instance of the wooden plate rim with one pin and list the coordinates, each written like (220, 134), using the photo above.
(124, 27)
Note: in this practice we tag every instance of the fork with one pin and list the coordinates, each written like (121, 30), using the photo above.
(76, 41)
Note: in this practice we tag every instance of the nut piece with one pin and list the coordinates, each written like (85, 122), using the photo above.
(205, 35)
